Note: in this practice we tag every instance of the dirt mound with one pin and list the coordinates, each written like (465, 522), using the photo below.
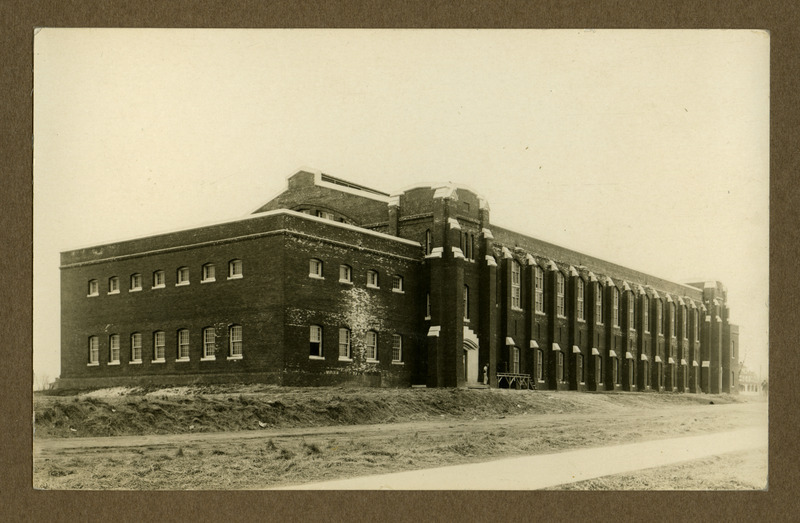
(213, 408)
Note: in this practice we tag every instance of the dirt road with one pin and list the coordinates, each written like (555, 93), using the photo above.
(282, 457)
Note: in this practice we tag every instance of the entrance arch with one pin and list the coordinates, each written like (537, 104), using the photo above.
(470, 357)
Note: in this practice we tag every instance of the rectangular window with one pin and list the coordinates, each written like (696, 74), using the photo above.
(183, 276)
(671, 320)
(113, 349)
(235, 341)
(428, 306)
(397, 283)
(581, 294)
(158, 279)
(315, 341)
(136, 282)
(540, 365)
(514, 359)
(466, 302)
(136, 348)
(372, 346)
(344, 344)
(397, 348)
(209, 343)
(599, 370)
(683, 323)
(598, 304)
(314, 268)
(345, 274)
(235, 269)
(113, 285)
(560, 365)
(631, 313)
(94, 350)
(93, 288)
(538, 280)
(659, 318)
(615, 370)
(579, 365)
(372, 279)
(515, 286)
(615, 309)
(158, 346)
(646, 314)
(209, 273)
(183, 344)
(560, 295)
(696, 321)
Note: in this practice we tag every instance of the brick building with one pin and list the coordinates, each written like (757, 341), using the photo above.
(331, 282)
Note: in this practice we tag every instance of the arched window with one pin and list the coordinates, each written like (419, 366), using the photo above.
(315, 341)
(158, 280)
(209, 273)
(515, 285)
(93, 288)
(235, 341)
(136, 282)
(235, 269)
(182, 276)
(371, 342)
(113, 285)
(315, 268)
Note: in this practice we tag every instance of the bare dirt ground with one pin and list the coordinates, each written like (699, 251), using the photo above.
(190, 439)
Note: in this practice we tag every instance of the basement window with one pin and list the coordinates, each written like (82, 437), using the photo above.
(315, 342)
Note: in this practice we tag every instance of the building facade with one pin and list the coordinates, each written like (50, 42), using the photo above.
(331, 282)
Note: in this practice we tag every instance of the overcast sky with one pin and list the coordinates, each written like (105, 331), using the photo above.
(645, 148)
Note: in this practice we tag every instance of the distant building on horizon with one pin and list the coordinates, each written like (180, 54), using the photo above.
(331, 283)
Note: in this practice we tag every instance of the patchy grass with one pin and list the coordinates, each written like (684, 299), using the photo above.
(221, 408)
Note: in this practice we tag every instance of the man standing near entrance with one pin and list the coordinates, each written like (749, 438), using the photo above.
(486, 374)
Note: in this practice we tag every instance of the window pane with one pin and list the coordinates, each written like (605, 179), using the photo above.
(344, 273)
(158, 345)
(235, 268)
(209, 341)
(183, 344)
(235, 340)
(113, 342)
(136, 347)
(344, 343)
(315, 340)
(397, 347)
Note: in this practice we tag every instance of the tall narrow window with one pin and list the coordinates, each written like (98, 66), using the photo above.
(581, 294)
(315, 268)
(615, 309)
(93, 288)
(209, 273)
(466, 302)
(182, 276)
(136, 347)
(514, 359)
(397, 348)
(183, 344)
(684, 334)
(158, 346)
(646, 313)
(659, 318)
(235, 341)
(209, 343)
(579, 365)
(397, 283)
(696, 318)
(345, 274)
(428, 306)
(158, 279)
(560, 294)
(615, 370)
(315, 341)
(538, 280)
(599, 370)
(631, 313)
(344, 344)
(372, 279)
(428, 242)
(540, 365)
(113, 285)
(371, 341)
(560, 365)
(113, 349)
(515, 285)
(671, 320)
(94, 350)
(598, 304)
(235, 269)
(136, 282)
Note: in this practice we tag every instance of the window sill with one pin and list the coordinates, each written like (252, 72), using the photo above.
(208, 358)
(112, 363)
(561, 317)
(316, 357)
(540, 313)
(208, 281)
(237, 357)
(371, 360)
(92, 295)
(160, 360)
(581, 321)
(398, 363)
(346, 282)
(182, 360)
(135, 362)
(113, 292)
(427, 318)
(341, 358)
(398, 291)
(182, 284)
(316, 277)
(369, 286)
(517, 309)
(236, 277)
(93, 364)
(139, 289)
(159, 287)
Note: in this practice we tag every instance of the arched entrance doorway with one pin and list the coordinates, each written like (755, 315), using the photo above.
(470, 357)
